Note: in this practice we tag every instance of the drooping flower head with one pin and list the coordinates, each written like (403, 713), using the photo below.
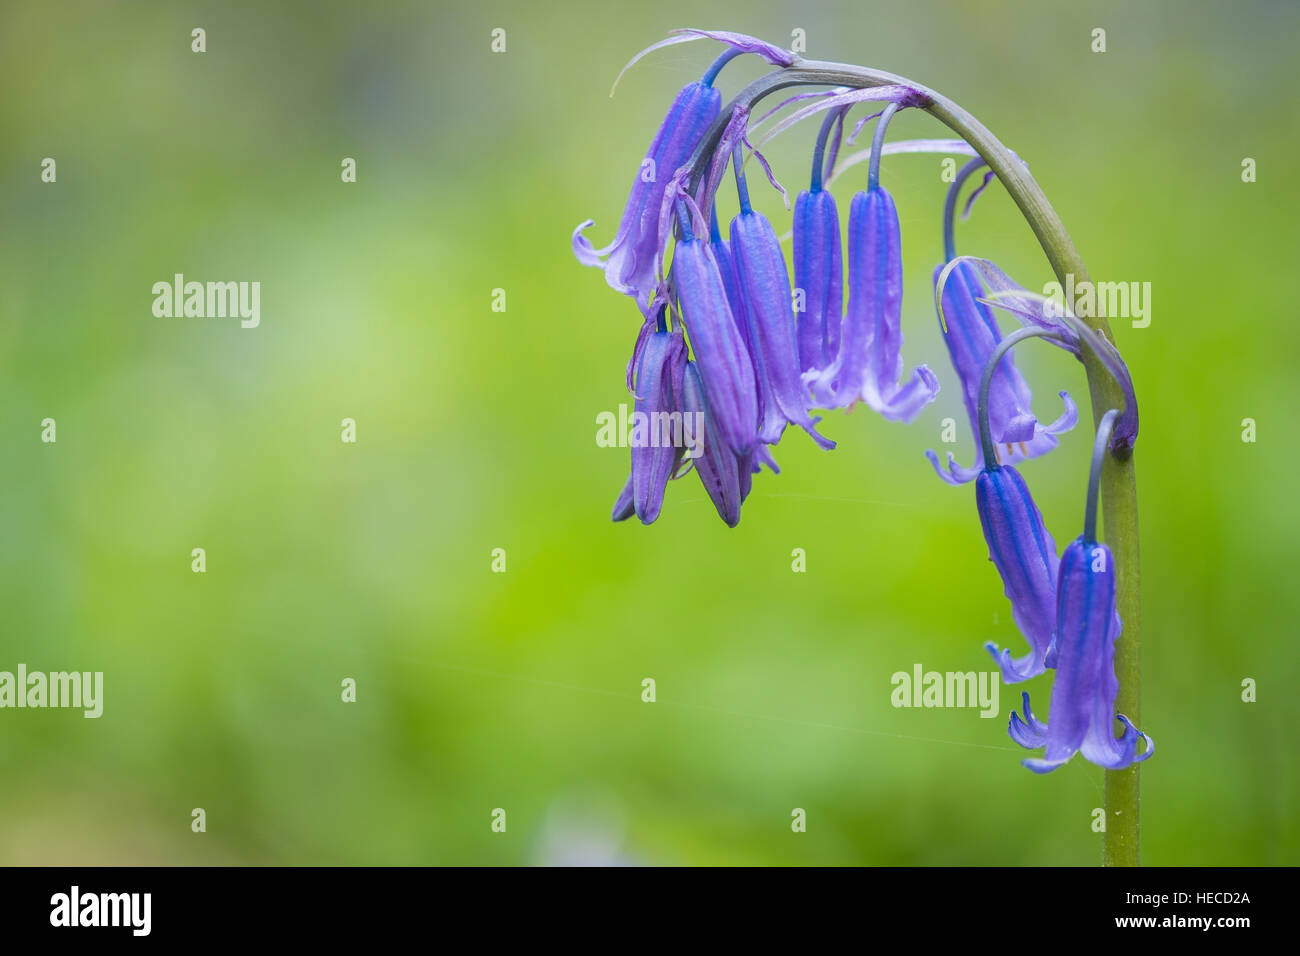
(726, 356)
(752, 359)
(1082, 718)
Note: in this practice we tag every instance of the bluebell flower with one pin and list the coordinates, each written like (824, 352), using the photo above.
(819, 273)
(656, 450)
(971, 334)
(869, 361)
(1082, 717)
(769, 313)
(1065, 330)
(726, 476)
(720, 351)
(631, 260)
(1024, 553)
(721, 249)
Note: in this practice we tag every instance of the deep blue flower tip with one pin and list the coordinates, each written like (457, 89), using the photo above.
(1028, 731)
(1129, 728)
(721, 470)
(623, 507)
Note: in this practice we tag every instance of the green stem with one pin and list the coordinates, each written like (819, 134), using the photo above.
(1118, 479)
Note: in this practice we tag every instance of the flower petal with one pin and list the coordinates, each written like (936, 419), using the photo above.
(630, 261)
(656, 450)
(623, 507)
(904, 96)
(819, 276)
(760, 266)
(1022, 549)
(869, 362)
(955, 473)
(971, 334)
(724, 364)
(1083, 695)
(718, 466)
(743, 42)
(1036, 310)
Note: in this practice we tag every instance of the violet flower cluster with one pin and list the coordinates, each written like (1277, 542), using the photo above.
(728, 339)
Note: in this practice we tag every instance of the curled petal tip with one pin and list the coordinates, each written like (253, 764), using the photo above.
(1039, 765)
(1013, 671)
(821, 440)
(623, 507)
(583, 250)
(764, 457)
(1029, 732)
(908, 400)
(1130, 730)
(1020, 732)
(954, 474)
(1069, 418)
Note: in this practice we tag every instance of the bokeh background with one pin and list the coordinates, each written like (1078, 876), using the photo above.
(476, 430)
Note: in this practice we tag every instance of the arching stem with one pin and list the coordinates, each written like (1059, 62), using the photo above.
(1094, 474)
(878, 146)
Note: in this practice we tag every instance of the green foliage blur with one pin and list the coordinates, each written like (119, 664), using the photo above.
(522, 691)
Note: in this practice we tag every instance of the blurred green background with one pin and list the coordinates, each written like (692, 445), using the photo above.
(476, 431)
